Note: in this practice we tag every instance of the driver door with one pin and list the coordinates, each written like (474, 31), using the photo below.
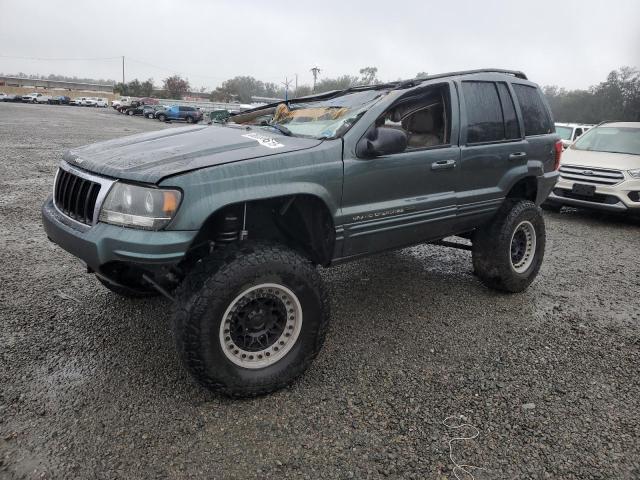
(405, 198)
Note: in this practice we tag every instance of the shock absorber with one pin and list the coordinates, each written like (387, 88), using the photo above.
(230, 230)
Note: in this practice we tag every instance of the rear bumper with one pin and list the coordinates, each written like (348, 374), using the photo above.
(546, 182)
(104, 243)
(611, 198)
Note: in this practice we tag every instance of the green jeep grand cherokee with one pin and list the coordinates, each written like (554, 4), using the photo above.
(230, 221)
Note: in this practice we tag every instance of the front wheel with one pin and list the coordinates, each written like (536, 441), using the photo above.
(250, 318)
(162, 118)
(130, 113)
(508, 252)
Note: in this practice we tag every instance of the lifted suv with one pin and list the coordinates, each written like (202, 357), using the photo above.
(230, 221)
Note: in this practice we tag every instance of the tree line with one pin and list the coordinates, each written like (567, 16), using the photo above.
(617, 98)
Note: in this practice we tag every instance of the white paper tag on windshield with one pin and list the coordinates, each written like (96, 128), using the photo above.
(268, 142)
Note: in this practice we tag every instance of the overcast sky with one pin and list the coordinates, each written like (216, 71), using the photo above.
(572, 44)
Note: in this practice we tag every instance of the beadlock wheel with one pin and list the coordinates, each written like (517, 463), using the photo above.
(260, 326)
(523, 246)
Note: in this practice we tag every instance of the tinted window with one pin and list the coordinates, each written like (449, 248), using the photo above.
(535, 115)
(484, 113)
(511, 127)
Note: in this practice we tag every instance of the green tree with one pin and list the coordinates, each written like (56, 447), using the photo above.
(339, 83)
(369, 75)
(617, 98)
(176, 86)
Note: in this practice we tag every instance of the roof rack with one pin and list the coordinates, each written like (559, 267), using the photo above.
(515, 73)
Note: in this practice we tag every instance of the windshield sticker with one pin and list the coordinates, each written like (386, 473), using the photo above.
(263, 140)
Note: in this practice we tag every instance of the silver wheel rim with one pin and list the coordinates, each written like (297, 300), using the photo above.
(522, 246)
(267, 351)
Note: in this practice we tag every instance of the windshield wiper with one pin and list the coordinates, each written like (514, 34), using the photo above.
(282, 129)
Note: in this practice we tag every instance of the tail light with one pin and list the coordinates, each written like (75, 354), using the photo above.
(558, 154)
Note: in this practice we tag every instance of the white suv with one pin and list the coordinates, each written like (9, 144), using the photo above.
(601, 170)
(569, 132)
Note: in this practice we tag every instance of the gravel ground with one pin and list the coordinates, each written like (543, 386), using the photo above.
(91, 386)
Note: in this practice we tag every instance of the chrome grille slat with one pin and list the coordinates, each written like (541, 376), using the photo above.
(76, 197)
(592, 175)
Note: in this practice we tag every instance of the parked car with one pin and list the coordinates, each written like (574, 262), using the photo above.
(569, 132)
(180, 112)
(149, 101)
(36, 98)
(230, 220)
(83, 102)
(149, 111)
(138, 109)
(60, 100)
(10, 97)
(126, 103)
(601, 170)
(101, 102)
(3, 96)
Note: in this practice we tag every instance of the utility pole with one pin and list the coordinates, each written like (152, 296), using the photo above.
(295, 92)
(123, 69)
(286, 88)
(315, 71)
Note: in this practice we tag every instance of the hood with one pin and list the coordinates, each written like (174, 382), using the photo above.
(150, 157)
(587, 158)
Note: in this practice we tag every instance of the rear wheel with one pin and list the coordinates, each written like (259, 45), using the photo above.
(250, 318)
(189, 119)
(130, 113)
(508, 252)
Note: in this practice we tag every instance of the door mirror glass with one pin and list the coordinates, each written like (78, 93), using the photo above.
(381, 141)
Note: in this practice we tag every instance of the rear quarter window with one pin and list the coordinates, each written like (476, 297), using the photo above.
(534, 113)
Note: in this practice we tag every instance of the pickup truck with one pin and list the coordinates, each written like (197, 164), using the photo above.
(36, 98)
(230, 221)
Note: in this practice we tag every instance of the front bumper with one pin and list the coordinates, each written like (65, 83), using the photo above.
(103, 243)
(611, 198)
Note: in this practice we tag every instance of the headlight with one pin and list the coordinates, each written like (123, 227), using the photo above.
(635, 173)
(139, 207)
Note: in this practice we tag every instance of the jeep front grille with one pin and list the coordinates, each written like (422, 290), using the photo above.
(76, 196)
(597, 176)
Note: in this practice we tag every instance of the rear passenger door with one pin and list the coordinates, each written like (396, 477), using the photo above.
(537, 123)
(492, 148)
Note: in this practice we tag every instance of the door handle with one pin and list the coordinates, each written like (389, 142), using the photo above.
(443, 164)
(518, 156)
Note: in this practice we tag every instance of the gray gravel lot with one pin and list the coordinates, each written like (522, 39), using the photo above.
(91, 387)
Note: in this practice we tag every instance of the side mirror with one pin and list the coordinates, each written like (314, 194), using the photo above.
(381, 141)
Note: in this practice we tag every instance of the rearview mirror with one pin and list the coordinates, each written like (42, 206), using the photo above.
(381, 141)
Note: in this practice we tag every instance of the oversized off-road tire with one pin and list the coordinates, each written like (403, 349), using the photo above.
(250, 318)
(133, 291)
(508, 251)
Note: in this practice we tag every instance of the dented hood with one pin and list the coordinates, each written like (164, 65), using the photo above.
(150, 157)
